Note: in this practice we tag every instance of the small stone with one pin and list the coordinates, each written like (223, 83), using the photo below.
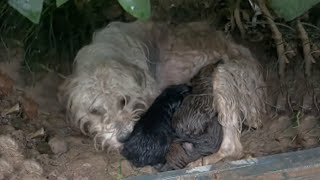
(9, 149)
(32, 167)
(5, 168)
(62, 178)
(6, 129)
(58, 145)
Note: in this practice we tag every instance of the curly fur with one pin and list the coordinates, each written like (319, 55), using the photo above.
(196, 123)
(127, 65)
(113, 82)
(239, 91)
(153, 133)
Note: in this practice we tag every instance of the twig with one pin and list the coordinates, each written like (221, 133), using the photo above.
(308, 58)
(52, 71)
(310, 25)
(315, 101)
(277, 36)
(237, 19)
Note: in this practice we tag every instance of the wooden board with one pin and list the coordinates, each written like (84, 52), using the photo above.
(293, 165)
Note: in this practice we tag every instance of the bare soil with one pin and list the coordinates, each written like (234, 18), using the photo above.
(37, 143)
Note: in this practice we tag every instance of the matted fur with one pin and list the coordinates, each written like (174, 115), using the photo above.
(134, 62)
(113, 82)
(238, 84)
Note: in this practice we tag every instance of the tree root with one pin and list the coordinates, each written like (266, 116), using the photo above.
(237, 19)
(306, 44)
(277, 36)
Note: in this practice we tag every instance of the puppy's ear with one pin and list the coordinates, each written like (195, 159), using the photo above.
(188, 146)
(185, 89)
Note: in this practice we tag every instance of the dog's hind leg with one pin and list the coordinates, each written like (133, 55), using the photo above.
(230, 148)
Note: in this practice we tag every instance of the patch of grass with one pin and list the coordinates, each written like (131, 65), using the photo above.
(120, 175)
(296, 119)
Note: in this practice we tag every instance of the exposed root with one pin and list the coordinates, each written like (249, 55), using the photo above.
(52, 71)
(308, 58)
(277, 36)
(237, 19)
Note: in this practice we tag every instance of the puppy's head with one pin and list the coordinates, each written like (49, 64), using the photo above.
(143, 150)
(105, 100)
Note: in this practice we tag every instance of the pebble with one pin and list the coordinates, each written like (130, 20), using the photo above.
(58, 145)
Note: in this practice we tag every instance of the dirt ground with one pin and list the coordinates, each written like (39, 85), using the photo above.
(37, 143)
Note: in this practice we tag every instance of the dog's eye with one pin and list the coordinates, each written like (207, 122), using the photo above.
(94, 111)
(123, 101)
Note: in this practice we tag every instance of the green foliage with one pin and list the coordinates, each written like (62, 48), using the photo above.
(60, 2)
(140, 9)
(31, 9)
(291, 9)
(60, 33)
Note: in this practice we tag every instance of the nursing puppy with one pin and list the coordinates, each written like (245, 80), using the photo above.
(153, 133)
(195, 123)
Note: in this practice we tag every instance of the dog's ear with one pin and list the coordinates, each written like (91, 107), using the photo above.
(138, 74)
(140, 78)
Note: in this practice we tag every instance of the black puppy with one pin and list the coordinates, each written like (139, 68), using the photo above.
(152, 135)
(197, 129)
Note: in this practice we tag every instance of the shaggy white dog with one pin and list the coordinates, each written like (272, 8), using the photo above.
(126, 66)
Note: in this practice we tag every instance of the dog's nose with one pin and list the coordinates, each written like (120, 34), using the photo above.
(123, 138)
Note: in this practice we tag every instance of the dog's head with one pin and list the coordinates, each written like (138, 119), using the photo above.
(107, 101)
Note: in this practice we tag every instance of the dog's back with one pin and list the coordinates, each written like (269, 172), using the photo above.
(153, 133)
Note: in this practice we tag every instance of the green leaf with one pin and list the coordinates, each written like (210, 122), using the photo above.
(60, 2)
(290, 9)
(30, 9)
(140, 9)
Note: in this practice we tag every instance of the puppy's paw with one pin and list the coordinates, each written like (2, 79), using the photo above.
(148, 170)
(196, 163)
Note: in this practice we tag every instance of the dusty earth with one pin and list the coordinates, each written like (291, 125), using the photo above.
(37, 143)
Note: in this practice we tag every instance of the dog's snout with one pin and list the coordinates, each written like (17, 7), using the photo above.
(123, 138)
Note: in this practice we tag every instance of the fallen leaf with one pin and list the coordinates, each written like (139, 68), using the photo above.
(38, 133)
(15, 108)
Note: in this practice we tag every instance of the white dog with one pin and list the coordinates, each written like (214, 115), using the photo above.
(127, 65)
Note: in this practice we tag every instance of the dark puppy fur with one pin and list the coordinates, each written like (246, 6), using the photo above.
(152, 135)
(195, 123)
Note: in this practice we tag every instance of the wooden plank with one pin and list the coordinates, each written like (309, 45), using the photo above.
(293, 165)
